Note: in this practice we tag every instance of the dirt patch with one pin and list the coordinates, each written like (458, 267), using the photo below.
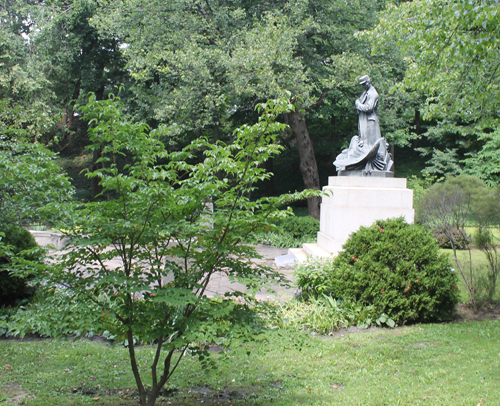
(15, 394)
(489, 311)
(208, 396)
(199, 395)
(351, 330)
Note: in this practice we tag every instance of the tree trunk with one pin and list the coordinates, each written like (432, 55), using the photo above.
(96, 186)
(216, 132)
(333, 140)
(308, 165)
(416, 141)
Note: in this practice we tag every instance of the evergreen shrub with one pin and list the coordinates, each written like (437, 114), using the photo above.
(393, 266)
(21, 243)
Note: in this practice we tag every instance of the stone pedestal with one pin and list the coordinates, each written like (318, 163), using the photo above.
(44, 238)
(354, 201)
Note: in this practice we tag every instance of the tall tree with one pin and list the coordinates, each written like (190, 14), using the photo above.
(200, 61)
(26, 99)
(77, 60)
(453, 58)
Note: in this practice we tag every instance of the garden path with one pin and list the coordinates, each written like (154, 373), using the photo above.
(220, 283)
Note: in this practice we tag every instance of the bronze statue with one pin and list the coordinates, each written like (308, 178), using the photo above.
(367, 154)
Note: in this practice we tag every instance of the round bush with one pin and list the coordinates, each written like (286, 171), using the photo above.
(462, 241)
(13, 289)
(396, 267)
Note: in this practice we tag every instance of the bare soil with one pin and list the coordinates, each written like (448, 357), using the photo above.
(15, 393)
(488, 311)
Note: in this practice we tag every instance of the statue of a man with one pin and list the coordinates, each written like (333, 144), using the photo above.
(367, 153)
(368, 126)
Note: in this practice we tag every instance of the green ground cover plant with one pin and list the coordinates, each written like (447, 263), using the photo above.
(325, 315)
(439, 364)
(291, 232)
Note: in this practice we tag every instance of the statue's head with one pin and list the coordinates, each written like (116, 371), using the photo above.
(364, 81)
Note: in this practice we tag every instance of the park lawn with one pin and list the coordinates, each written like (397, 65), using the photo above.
(479, 267)
(427, 364)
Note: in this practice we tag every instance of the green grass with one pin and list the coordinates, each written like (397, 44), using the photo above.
(494, 230)
(440, 364)
(479, 266)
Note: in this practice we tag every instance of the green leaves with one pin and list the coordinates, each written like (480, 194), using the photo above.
(452, 54)
(392, 265)
(165, 224)
(32, 185)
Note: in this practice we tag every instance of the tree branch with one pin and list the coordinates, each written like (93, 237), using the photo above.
(319, 102)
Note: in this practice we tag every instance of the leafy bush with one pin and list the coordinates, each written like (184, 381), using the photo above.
(54, 312)
(278, 239)
(462, 240)
(290, 233)
(313, 278)
(299, 227)
(17, 242)
(394, 266)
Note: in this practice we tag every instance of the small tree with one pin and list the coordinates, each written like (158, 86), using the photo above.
(156, 220)
(449, 207)
(487, 243)
(487, 215)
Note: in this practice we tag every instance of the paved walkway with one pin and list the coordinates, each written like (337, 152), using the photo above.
(220, 283)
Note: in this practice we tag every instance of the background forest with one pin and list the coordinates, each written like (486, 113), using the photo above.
(201, 67)
(164, 138)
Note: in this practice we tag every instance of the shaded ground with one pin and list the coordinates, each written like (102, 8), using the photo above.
(220, 283)
(489, 311)
(15, 393)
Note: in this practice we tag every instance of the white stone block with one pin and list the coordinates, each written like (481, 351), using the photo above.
(44, 238)
(351, 202)
(367, 181)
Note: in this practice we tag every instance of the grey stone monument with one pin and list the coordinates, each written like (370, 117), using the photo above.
(365, 189)
(367, 154)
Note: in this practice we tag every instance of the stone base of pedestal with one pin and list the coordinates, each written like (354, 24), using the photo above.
(44, 238)
(351, 202)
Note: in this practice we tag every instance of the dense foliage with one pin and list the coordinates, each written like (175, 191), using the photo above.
(393, 266)
(291, 232)
(172, 223)
(32, 185)
(33, 189)
(18, 243)
(451, 53)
